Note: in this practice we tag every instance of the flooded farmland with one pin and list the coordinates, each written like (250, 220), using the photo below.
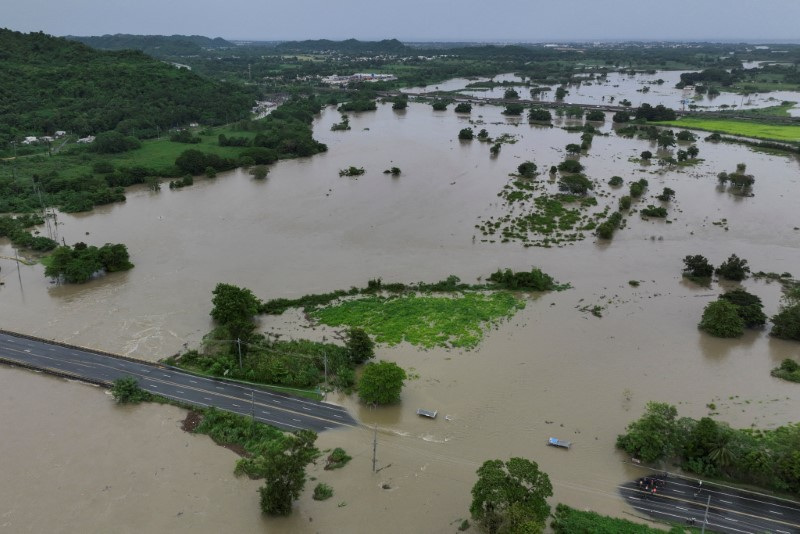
(552, 370)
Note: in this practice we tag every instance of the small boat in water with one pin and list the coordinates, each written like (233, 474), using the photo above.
(427, 413)
(555, 442)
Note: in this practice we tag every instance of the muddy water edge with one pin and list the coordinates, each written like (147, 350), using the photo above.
(552, 370)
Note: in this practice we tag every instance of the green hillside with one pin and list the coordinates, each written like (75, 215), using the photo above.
(162, 46)
(51, 84)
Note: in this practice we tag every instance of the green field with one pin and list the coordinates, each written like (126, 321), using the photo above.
(427, 321)
(756, 130)
(158, 154)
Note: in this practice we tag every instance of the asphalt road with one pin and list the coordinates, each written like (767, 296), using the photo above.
(280, 410)
(731, 510)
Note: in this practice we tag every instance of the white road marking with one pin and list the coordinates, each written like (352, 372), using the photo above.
(153, 386)
(307, 409)
(298, 420)
(179, 391)
(339, 416)
(679, 491)
(726, 502)
(219, 388)
(193, 381)
(207, 398)
(680, 508)
(236, 405)
(264, 411)
(774, 512)
(276, 401)
(168, 376)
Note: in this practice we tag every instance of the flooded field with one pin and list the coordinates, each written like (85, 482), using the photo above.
(552, 370)
(654, 89)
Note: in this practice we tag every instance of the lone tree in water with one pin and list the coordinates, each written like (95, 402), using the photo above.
(285, 461)
(721, 319)
(234, 308)
(381, 383)
(511, 496)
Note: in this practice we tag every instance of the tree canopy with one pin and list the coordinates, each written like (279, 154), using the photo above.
(284, 470)
(381, 383)
(511, 496)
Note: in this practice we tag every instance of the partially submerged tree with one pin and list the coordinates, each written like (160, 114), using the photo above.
(511, 496)
(734, 268)
(381, 383)
(359, 345)
(284, 469)
(697, 266)
(721, 319)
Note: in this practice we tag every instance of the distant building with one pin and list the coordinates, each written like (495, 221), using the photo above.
(87, 139)
(28, 140)
(60, 133)
(46, 139)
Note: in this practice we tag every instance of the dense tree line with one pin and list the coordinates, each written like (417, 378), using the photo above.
(76, 265)
(711, 448)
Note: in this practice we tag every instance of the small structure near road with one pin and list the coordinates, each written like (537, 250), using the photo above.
(427, 413)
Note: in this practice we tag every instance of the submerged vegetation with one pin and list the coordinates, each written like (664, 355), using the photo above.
(425, 320)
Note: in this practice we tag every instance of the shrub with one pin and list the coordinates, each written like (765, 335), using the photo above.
(667, 195)
(539, 115)
(786, 324)
(127, 391)
(570, 165)
(615, 181)
(527, 169)
(624, 203)
(621, 117)
(646, 154)
(734, 268)
(513, 109)
(697, 266)
(466, 134)
(439, 105)
(595, 115)
(577, 184)
(322, 492)
(336, 459)
(463, 107)
(749, 306)
(653, 211)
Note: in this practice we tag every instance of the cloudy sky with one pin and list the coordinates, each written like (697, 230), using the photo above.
(415, 20)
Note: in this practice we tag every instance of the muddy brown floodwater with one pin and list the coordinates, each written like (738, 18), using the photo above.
(552, 370)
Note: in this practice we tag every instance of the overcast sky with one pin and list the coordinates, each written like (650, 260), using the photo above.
(415, 20)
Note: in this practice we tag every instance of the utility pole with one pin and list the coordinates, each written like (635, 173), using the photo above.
(374, 447)
(252, 412)
(325, 360)
(705, 518)
(239, 345)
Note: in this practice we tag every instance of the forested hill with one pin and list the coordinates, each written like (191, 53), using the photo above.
(350, 46)
(49, 84)
(155, 45)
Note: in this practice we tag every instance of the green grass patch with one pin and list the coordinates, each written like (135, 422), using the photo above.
(788, 370)
(568, 520)
(756, 130)
(424, 320)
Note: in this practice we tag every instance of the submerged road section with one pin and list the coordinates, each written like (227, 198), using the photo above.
(730, 510)
(284, 411)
